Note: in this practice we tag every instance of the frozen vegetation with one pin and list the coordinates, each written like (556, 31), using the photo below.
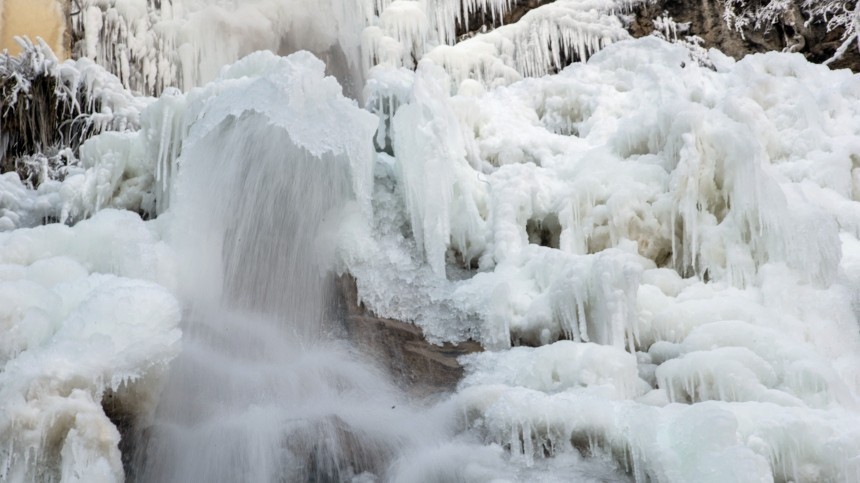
(763, 15)
(658, 246)
(50, 111)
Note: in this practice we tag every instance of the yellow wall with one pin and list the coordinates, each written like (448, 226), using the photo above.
(32, 18)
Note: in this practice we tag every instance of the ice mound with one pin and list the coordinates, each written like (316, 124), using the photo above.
(607, 161)
(677, 240)
(525, 400)
(84, 315)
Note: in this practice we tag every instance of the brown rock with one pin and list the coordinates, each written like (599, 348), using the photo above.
(794, 33)
(400, 347)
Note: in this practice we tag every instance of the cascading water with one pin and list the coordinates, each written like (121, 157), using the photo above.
(262, 390)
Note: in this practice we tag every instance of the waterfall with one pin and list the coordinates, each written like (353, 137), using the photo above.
(263, 389)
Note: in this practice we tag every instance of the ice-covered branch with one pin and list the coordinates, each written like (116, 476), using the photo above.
(794, 16)
(50, 106)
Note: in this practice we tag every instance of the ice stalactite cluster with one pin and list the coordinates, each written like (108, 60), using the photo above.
(151, 45)
(692, 230)
(403, 30)
(40, 94)
(544, 40)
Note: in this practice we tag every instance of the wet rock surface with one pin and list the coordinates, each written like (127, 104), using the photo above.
(400, 347)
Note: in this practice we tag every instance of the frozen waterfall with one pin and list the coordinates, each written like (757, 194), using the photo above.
(657, 247)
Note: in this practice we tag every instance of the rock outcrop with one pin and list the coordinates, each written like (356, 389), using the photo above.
(794, 32)
(400, 347)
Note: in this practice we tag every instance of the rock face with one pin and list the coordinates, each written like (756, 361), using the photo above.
(793, 33)
(415, 364)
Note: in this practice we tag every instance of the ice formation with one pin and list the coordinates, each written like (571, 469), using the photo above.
(87, 315)
(260, 391)
(658, 246)
(184, 43)
(51, 109)
(697, 222)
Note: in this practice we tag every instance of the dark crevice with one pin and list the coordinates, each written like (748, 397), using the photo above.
(545, 231)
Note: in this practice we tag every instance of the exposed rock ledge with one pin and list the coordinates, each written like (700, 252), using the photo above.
(400, 347)
(795, 32)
